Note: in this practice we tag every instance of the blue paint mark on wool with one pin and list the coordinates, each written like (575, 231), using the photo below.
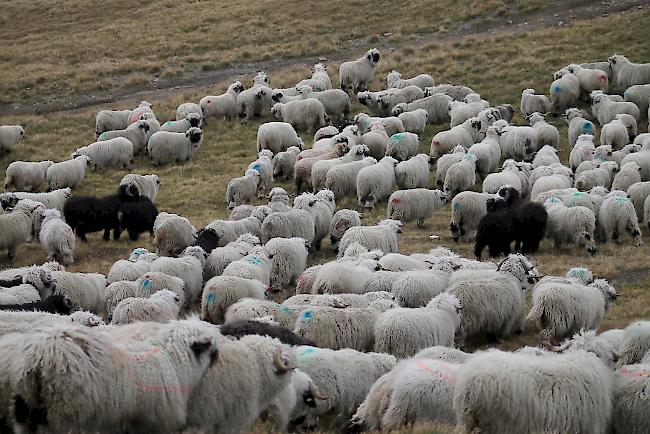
(211, 298)
(307, 315)
(168, 123)
(456, 206)
(257, 167)
(302, 355)
(588, 127)
(147, 284)
(621, 199)
(557, 88)
(578, 194)
(398, 137)
(253, 260)
(286, 309)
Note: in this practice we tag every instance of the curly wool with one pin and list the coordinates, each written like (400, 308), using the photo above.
(172, 234)
(117, 152)
(616, 216)
(26, 175)
(531, 103)
(418, 204)
(220, 292)
(160, 307)
(381, 237)
(414, 121)
(335, 328)
(85, 290)
(57, 238)
(376, 182)
(288, 260)
(154, 281)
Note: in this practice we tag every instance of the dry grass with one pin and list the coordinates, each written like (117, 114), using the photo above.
(497, 66)
(83, 47)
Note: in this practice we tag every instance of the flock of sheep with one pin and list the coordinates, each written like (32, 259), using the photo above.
(374, 338)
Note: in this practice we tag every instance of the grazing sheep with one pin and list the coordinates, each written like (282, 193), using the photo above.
(466, 134)
(335, 328)
(617, 215)
(445, 161)
(288, 260)
(188, 267)
(302, 169)
(488, 153)
(335, 101)
(19, 226)
(499, 392)
(376, 182)
(607, 110)
(306, 114)
(590, 79)
(575, 224)
(294, 223)
(109, 120)
(136, 133)
(250, 309)
(381, 237)
(242, 190)
(376, 139)
(140, 185)
(639, 94)
(342, 178)
(277, 137)
(87, 214)
(547, 134)
(321, 206)
(414, 121)
(57, 237)
(117, 152)
(629, 175)
(343, 220)
(402, 146)
(172, 234)
(11, 301)
(26, 175)
(531, 103)
(460, 176)
(284, 162)
(220, 257)
(467, 209)
(414, 172)
(10, 135)
(546, 156)
(603, 176)
(638, 193)
(162, 306)
(321, 168)
(168, 147)
(154, 281)
(564, 91)
(391, 124)
(193, 120)
(456, 92)
(471, 106)
(403, 332)
(18, 295)
(436, 106)
(627, 73)
(619, 132)
(222, 106)
(389, 99)
(578, 125)
(220, 292)
(85, 290)
(355, 75)
(394, 80)
(414, 205)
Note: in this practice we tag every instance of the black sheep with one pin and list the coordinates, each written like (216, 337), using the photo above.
(241, 328)
(55, 303)
(136, 216)
(87, 214)
(207, 239)
(495, 229)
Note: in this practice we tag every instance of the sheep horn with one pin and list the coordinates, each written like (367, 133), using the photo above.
(281, 365)
(315, 393)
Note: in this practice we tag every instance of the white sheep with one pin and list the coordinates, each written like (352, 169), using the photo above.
(630, 409)
(552, 183)
(243, 189)
(154, 281)
(547, 134)
(590, 79)
(389, 99)
(294, 223)
(192, 120)
(394, 80)
(414, 172)
(381, 237)
(26, 175)
(188, 267)
(518, 142)
(255, 100)
(564, 91)
(607, 110)
(136, 133)
(248, 309)
(578, 125)
(319, 77)
(57, 237)
(460, 176)
(403, 332)
(335, 101)
(414, 121)
(224, 105)
(355, 75)
(456, 92)
(402, 146)
(627, 73)
(601, 176)
(466, 134)
(638, 193)
(445, 161)
(616, 216)
(618, 132)
(335, 328)
(220, 292)
(306, 114)
(376, 139)
(575, 224)
(172, 233)
(67, 173)
(160, 307)
(255, 265)
(342, 179)
(117, 152)
(376, 182)
(108, 120)
(141, 185)
(531, 103)
(116, 292)
(546, 156)
(487, 152)
(372, 101)
(10, 135)
(186, 108)
(364, 122)
(277, 137)
(467, 208)
(321, 206)
(471, 106)
(639, 94)
(19, 226)
(417, 204)
(583, 150)
(85, 290)
(321, 168)
(343, 220)
(627, 176)
(436, 106)
(168, 147)
(288, 260)
(284, 162)
(509, 175)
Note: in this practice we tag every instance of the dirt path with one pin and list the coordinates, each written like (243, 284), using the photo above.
(510, 21)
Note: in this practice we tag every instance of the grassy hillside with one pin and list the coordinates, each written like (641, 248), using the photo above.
(78, 54)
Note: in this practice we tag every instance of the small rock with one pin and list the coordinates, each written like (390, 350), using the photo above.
(605, 14)
(640, 7)
(322, 59)
(509, 21)
(435, 237)
(556, 15)
(573, 17)
(561, 23)
(388, 34)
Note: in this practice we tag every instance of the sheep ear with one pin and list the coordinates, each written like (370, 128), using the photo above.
(201, 345)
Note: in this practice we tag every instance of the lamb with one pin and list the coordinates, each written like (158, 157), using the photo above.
(168, 147)
(531, 103)
(154, 281)
(186, 108)
(547, 134)
(394, 80)
(639, 94)
(302, 169)
(627, 176)
(335, 328)
(136, 133)
(403, 332)
(460, 176)
(277, 137)
(10, 135)
(414, 121)
(575, 224)
(559, 310)
(562, 393)
(342, 179)
(626, 73)
(436, 106)
(376, 182)
(381, 237)
(116, 152)
(242, 190)
(288, 260)
(578, 125)
(471, 106)
(67, 173)
(224, 105)
(141, 185)
(220, 292)
(467, 209)
(180, 126)
(357, 74)
(160, 307)
(590, 79)
(335, 101)
(466, 134)
(109, 120)
(321, 168)
(343, 220)
(57, 237)
(26, 175)
(284, 162)
(564, 90)
(402, 146)
(85, 290)
(252, 308)
(602, 176)
(608, 109)
(617, 215)
(172, 234)
(492, 302)
(307, 114)
(18, 226)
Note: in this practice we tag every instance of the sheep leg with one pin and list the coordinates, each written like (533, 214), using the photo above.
(11, 252)
(81, 234)
(133, 235)
(107, 234)
(116, 232)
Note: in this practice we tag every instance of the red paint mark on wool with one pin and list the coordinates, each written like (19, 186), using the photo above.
(448, 374)
(396, 201)
(636, 373)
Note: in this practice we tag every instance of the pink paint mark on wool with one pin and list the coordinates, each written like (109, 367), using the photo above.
(448, 374)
